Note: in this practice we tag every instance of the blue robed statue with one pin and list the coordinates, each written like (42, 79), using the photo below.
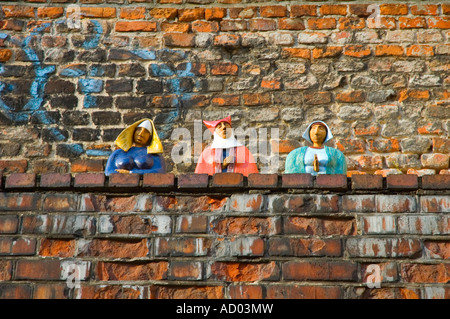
(316, 158)
(139, 150)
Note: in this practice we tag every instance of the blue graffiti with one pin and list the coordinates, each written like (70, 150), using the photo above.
(93, 43)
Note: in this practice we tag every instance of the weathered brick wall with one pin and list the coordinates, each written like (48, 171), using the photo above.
(379, 80)
(225, 237)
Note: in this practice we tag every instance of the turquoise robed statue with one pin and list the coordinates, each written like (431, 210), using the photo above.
(316, 158)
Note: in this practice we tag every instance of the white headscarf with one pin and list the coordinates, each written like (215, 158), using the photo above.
(308, 138)
(220, 142)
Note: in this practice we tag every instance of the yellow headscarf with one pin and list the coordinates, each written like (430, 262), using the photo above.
(125, 138)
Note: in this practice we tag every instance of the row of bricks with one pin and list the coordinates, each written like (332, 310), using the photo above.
(218, 13)
(206, 291)
(234, 204)
(323, 270)
(164, 182)
(228, 248)
(138, 226)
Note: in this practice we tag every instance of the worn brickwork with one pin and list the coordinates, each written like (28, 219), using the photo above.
(75, 73)
(213, 238)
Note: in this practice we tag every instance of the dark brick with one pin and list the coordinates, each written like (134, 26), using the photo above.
(59, 87)
(119, 86)
(38, 270)
(54, 135)
(399, 182)
(110, 135)
(227, 180)
(156, 180)
(103, 70)
(60, 203)
(15, 291)
(296, 181)
(124, 180)
(45, 117)
(131, 102)
(440, 181)
(9, 224)
(19, 180)
(334, 182)
(106, 118)
(17, 246)
(98, 101)
(20, 201)
(55, 180)
(98, 55)
(89, 180)
(86, 134)
(131, 70)
(367, 182)
(193, 181)
(262, 180)
(69, 150)
(10, 149)
(149, 86)
(64, 102)
(76, 118)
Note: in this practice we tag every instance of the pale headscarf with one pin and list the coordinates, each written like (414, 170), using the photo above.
(308, 138)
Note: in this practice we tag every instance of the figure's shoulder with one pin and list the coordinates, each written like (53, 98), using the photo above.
(298, 151)
(333, 151)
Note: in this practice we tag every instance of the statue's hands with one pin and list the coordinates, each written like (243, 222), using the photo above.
(125, 171)
(316, 163)
(227, 161)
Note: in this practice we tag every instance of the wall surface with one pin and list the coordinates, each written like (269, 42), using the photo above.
(224, 237)
(74, 73)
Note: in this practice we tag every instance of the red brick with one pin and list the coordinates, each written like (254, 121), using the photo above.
(205, 26)
(20, 180)
(402, 182)
(20, 201)
(50, 12)
(247, 203)
(157, 180)
(63, 248)
(89, 180)
(319, 226)
(189, 15)
(185, 270)
(19, 246)
(57, 180)
(248, 272)
(224, 68)
(304, 292)
(298, 247)
(182, 246)
(353, 96)
(262, 25)
(321, 23)
(9, 224)
(60, 203)
(192, 224)
(124, 180)
(393, 9)
(303, 10)
(50, 291)
(396, 203)
(5, 271)
(183, 292)
(367, 182)
(135, 26)
(334, 182)
(227, 180)
(440, 181)
(291, 24)
(108, 248)
(132, 13)
(321, 270)
(132, 271)
(254, 99)
(245, 226)
(358, 203)
(333, 9)
(85, 166)
(245, 292)
(215, 13)
(98, 12)
(38, 270)
(13, 166)
(438, 249)
(439, 23)
(263, 180)
(247, 246)
(383, 247)
(111, 292)
(193, 181)
(423, 273)
(15, 291)
(297, 181)
(164, 13)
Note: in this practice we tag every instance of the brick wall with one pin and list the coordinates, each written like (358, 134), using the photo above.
(224, 237)
(376, 73)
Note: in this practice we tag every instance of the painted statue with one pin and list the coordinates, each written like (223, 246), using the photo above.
(225, 154)
(317, 158)
(139, 150)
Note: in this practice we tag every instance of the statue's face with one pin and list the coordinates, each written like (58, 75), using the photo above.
(318, 133)
(223, 129)
(141, 136)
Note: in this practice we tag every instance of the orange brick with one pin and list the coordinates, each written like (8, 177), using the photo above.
(413, 95)
(50, 12)
(357, 51)
(326, 52)
(273, 11)
(381, 23)
(133, 26)
(425, 9)
(351, 23)
(175, 27)
(262, 25)
(445, 8)
(419, 50)
(205, 26)
(164, 13)
(393, 9)
(388, 50)
(57, 247)
(253, 99)
(439, 23)
(189, 15)
(95, 12)
(179, 39)
(273, 84)
(291, 24)
(18, 11)
(303, 10)
(297, 53)
(5, 55)
(321, 23)
(132, 13)
(226, 100)
(333, 9)
(412, 23)
(224, 68)
(215, 13)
